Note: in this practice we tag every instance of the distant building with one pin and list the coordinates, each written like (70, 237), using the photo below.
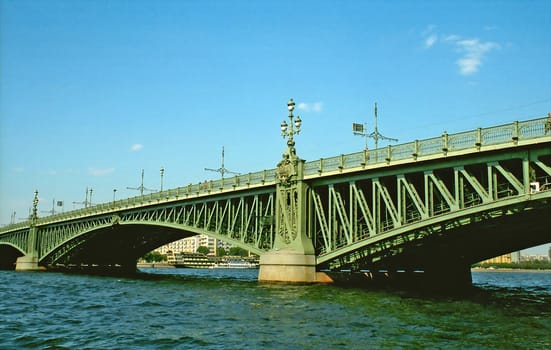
(535, 257)
(503, 259)
(190, 245)
(176, 246)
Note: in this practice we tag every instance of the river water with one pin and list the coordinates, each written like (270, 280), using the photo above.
(229, 309)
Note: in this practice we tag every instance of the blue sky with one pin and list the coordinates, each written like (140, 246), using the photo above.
(92, 92)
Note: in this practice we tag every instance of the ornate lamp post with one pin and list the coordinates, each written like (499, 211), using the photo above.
(34, 214)
(288, 167)
(162, 173)
(291, 129)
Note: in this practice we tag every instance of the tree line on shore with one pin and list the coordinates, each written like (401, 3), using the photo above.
(525, 265)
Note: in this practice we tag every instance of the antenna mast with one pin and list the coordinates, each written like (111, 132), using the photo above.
(141, 188)
(223, 170)
(376, 135)
(361, 130)
(87, 203)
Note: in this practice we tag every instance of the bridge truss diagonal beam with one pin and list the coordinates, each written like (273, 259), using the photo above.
(413, 204)
(244, 219)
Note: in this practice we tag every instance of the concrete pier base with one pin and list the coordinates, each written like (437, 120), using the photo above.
(27, 263)
(289, 266)
(449, 276)
(450, 279)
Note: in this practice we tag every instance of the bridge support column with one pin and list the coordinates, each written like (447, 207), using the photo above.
(287, 266)
(27, 263)
(292, 258)
(448, 277)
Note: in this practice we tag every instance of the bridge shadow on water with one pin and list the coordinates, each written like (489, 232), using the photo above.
(412, 282)
(415, 285)
(505, 293)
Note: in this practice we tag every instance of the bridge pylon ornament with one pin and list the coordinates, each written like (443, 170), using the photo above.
(285, 171)
(291, 192)
(292, 258)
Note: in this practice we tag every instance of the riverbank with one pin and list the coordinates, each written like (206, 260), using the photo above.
(162, 265)
(508, 269)
(165, 265)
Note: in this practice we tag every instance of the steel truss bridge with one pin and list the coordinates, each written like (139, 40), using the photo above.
(447, 201)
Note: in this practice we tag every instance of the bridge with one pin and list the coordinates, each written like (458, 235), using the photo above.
(432, 206)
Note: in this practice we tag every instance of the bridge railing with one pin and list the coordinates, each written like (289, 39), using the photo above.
(202, 188)
(474, 139)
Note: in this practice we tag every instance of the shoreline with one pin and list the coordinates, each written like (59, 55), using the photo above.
(508, 269)
(473, 269)
(155, 265)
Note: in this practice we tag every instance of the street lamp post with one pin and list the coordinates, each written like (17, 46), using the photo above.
(114, 192)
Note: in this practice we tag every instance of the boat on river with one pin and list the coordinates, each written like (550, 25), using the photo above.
(235, 264)
(189, 260)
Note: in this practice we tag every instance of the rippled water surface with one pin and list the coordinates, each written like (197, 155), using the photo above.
(229, 309)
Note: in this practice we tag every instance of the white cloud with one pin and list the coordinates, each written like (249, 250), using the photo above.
(474, 51)
(310, 107)
(100, 171)
(452, 37)
(430, 29)
(55, 172)
(136, 147)
(431, 40)
(430, 36)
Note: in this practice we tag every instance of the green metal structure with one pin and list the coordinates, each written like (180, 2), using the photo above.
(447, 201)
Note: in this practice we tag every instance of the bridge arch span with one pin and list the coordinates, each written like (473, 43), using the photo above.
(121, 244)
(8, 255)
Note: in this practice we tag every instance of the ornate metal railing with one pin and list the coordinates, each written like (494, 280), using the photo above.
(475, 139)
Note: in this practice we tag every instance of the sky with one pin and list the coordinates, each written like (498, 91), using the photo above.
(92, 92)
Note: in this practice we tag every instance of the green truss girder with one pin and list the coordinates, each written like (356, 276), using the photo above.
(448, 188)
